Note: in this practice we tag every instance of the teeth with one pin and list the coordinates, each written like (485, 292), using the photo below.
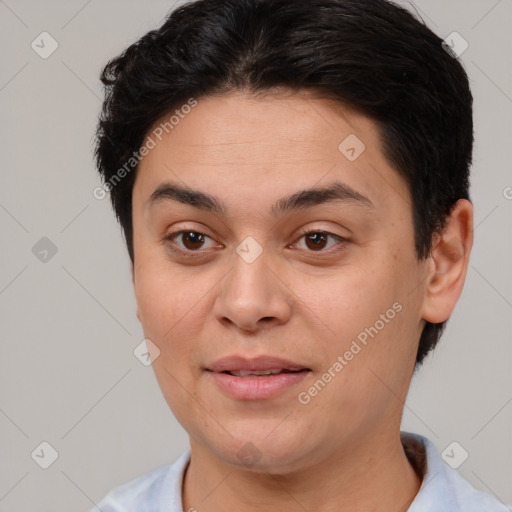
(245, 373)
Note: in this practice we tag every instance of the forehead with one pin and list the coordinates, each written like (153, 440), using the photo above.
(241, 147)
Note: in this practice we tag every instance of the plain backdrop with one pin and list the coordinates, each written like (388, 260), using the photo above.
(68, 375)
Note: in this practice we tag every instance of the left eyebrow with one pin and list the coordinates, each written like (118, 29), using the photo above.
(302, 199)
(311, 197)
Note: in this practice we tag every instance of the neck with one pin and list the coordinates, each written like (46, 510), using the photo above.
(369, 476)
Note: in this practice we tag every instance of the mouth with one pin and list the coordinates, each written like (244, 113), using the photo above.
(264, 365)
(261, 373)
(255, 379)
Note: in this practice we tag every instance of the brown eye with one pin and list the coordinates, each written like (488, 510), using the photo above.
(316, 241)
(191, 241)
(320, 241)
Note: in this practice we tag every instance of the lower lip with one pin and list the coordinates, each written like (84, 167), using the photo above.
(256, 388)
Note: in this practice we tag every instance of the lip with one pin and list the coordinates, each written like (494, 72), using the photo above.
(235, 363)
(255, 387)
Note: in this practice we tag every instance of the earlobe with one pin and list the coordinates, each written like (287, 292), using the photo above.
(448, 264)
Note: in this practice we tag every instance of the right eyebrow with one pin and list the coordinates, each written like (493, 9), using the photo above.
(187, 196)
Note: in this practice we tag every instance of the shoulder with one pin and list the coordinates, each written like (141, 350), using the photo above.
(443, 489)
(150, 492)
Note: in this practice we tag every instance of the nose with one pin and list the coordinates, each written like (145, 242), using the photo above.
(252, 296)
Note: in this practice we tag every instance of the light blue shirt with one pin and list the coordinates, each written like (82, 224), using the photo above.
(442, 489)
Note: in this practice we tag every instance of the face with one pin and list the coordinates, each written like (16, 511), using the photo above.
(263, 234)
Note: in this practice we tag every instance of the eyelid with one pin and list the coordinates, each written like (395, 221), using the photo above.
(175, 234)
(342, 241)
(314, 229)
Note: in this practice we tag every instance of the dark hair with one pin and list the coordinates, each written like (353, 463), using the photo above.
(370, 55)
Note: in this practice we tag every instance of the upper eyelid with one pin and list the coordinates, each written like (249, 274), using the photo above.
(175, 234)
(339, 238)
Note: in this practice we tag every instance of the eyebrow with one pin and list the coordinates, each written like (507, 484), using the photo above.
(308, 198)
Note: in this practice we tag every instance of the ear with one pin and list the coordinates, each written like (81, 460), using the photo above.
(133, 283)
(448, 263)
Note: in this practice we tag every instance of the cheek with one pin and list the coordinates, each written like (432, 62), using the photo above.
(164, 291)
(170, 313)
(364, 314)
(165, 302)
(175, 307)
(349, 300)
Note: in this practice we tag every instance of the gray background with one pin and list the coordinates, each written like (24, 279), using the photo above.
(68, 375)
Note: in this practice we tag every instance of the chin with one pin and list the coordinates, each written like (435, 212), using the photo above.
(261, 453)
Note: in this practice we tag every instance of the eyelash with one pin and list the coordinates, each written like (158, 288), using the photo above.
(342, 242)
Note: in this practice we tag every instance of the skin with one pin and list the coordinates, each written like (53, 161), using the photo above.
(301, 301)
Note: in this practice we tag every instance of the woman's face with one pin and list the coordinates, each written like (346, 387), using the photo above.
(282, 239)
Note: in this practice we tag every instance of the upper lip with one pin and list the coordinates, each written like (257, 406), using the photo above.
(235, 363)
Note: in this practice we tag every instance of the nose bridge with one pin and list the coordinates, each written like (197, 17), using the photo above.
(249, 276)
(251, 291)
